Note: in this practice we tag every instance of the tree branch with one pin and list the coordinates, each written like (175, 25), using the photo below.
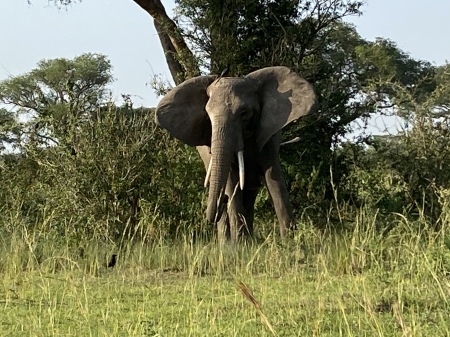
(181, 60)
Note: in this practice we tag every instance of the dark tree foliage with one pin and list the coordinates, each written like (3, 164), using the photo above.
(309, 36)
(9, 130)
(254, 34)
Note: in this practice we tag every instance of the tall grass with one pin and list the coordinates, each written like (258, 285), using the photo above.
(323, 282)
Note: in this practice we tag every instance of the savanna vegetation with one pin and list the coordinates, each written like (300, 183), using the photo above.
(82, 178)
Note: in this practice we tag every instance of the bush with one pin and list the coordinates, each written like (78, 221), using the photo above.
(120, 163)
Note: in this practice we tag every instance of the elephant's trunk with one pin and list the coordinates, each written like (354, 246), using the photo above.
(222, 151)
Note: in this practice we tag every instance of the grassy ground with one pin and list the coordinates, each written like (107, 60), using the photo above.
(319, 284)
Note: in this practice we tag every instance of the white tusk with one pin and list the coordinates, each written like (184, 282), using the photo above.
(241, 168)
(208, 173)
(295, 140)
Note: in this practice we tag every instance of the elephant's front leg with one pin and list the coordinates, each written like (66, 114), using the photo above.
(223, 227)
(249, 198)
(235, 210)
(276, 186)
(278, 192)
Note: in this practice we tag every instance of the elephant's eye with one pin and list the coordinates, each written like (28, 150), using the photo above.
(245, 115)
(244, 112)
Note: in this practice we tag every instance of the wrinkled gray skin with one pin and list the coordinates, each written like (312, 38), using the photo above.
(222, 117)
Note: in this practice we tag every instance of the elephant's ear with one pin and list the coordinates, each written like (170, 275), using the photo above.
(285, 96)
(182, 111)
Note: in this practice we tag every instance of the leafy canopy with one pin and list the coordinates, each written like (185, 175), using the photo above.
(58, 94)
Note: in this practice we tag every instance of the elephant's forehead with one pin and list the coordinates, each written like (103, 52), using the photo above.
(231, 87)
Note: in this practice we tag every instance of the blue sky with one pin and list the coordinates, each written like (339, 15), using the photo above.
(418, 27)
(124, 32)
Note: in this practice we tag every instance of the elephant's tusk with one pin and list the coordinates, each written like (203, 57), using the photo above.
(208, 173)
(295, 140)
(241, 168)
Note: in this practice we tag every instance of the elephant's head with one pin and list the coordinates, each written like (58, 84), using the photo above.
(223, 113)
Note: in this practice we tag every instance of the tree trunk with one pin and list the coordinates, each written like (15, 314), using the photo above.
(179, 57)
(175, 67)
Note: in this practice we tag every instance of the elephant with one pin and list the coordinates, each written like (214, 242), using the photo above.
(235, 123)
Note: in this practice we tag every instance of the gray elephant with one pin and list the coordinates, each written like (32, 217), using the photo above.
(235, 123)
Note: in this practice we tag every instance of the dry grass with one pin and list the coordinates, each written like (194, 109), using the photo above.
(360, 283)
(245, 290)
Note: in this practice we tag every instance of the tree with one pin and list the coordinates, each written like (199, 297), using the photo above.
(404, 173)
(57, 96)
(9, 130)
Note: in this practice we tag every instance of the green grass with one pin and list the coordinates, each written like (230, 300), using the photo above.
(320, 283)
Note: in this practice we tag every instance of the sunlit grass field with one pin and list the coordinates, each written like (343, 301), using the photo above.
(363, 282)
